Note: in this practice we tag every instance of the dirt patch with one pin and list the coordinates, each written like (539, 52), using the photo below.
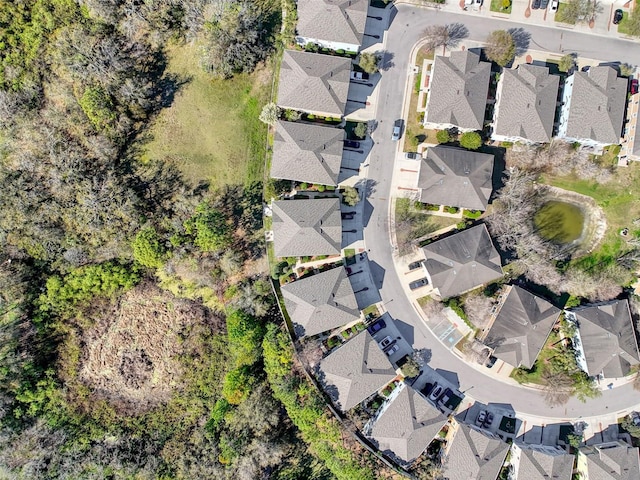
(130, 356)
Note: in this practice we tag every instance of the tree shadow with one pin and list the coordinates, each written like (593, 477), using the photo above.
(521, 39)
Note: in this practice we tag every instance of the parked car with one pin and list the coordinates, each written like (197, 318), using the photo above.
(414, 265)
(482, 416)
(554, 6)
(376, 326)
(397, 130)
(617, 16)
(535, 4)
(359, 76)
(491, 362)
(634, 86)
(418, 283)
(385, 342)
(544, 4)
(392, 349)
(351, 144)
(436, 392)
(489, 420)
(411, 156)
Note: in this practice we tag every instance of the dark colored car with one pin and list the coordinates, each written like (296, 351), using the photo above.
(418, 283)
(376, 327)
(351, 144)
(535, 4)
(617, 16)
(415, 265)
(634, 86)
(411, 156)
(491, 362)
(544, 4)
(489, 420)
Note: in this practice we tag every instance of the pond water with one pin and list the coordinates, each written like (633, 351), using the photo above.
(559, 222)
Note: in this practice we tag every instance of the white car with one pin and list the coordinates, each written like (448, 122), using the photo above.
(436, 392)
(385, 342)
(393, 349)
(553, 6)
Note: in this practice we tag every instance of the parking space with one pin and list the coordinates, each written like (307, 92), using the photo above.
(494, 419)
(439, 390)
(362, 283)
(361, 99)
(394, 344)
(407, 172)
(375, 27)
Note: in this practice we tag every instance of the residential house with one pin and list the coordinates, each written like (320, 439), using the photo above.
(526, 102)
(314, 83)
(307, 153)
(455, 177)
(405, 425)
(320, 302)
(593, 107)
(521, 327)
(605, 339)
(333, 24)
(355, 371)
(472, 455)
(536, 464)
(608, 461)
(307, 227)
(462, 262)
(457, 93)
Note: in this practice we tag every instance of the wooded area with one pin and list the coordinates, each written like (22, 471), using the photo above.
(134, 302)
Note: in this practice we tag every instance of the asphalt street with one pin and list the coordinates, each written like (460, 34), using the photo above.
(404, 31)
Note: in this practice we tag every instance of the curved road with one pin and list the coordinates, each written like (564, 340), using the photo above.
(404, 32)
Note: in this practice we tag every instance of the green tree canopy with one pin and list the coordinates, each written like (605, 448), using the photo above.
(369, 62)
(471, 140)
(210, 229)
(443, 136)
(147, 249)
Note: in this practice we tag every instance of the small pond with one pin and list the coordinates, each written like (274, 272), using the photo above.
(559, 222)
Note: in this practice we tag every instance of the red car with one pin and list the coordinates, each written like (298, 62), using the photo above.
(634, 86)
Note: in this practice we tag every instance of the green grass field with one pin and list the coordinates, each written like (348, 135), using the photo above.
(497, 6)
(212, 131)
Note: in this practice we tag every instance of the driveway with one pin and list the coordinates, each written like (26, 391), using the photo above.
(404, 31)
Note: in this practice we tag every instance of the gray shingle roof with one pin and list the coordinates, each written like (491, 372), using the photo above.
(463, 261)
(332, 20)
(521, 327)
(597, 105)
(527, 103)
(321, 302)
(407, 426)
(307, 227)
(307, 153)
(614, 463)
(456, 177)
(355, 371)
(458, 91)
(608, 338)
(474, 456)
(314, 82)
(536, 465)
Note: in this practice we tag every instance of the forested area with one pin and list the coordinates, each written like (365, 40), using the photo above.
(133, 303)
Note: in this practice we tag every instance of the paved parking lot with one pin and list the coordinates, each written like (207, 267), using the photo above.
(392, 331)
(429, 377)
(504, 424)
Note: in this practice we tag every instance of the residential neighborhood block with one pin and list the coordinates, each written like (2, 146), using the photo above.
(321, 302)
(609, 461)
(307, 153)
(521, 327)
(455, 177)
(314, 83)
(458, 91)
(333, 24)
(462, 262)
(593, 107)
(355, 371)
(526, 102)
(605, 339)
(307, 227)
(405, 426)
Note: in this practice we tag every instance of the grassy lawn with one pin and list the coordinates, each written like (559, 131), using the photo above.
(212, 131)
(496, 6)
(618, 198)
(412, 224)
(542, 362)
(559, 14)
(623, 26)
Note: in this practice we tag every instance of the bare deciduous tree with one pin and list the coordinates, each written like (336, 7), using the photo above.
(478, 309)
(557, 389)
(445, 35)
